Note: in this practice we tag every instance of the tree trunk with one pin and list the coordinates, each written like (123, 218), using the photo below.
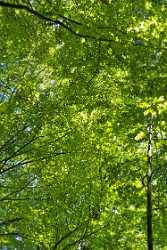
(149, 217)
(149, 192)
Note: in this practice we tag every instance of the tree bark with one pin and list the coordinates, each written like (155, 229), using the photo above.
(149, 217)
(149, 192)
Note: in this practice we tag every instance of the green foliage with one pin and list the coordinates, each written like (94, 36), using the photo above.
(79, 82)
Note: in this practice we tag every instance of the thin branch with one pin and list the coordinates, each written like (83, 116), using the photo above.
(8, 222)
(12, 138)
(17, 152)
(66, 236)
(83, 237)
(67, 27)
(36, 13)
(25, 162)
(9, 234)
(15, 192)
(55, 22)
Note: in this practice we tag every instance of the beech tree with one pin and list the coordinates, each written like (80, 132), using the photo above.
(83, 124)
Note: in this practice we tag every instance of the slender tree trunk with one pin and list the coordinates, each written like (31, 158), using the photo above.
(149, 192)
(149, 217)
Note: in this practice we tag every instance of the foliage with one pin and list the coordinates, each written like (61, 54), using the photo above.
(79, 83)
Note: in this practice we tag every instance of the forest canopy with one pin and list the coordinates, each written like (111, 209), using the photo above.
(83, 152)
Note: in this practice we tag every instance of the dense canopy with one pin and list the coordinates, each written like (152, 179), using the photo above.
(83, 110)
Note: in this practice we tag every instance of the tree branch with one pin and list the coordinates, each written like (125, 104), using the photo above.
(26, 162)
(83, 237)
(66, 236)
(8, 222)
(36, 13)
(57, 22)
